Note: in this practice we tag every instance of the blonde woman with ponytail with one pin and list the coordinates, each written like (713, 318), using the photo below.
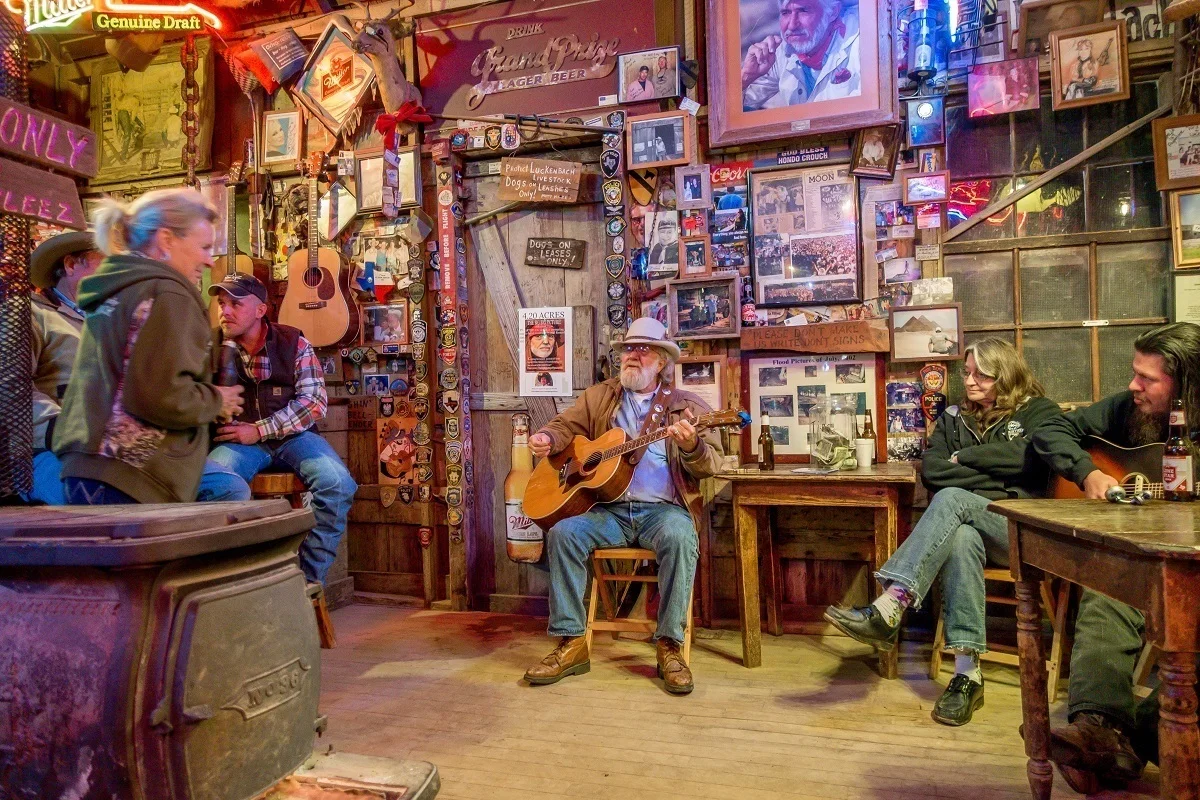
(134, 423)
(979, 451)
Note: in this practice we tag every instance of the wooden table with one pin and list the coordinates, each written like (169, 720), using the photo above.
(882, 487)
(1145, 556)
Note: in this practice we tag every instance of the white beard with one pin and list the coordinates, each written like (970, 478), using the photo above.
(638, 379)
(827, 18)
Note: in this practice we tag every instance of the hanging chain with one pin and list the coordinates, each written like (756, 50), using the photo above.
(191, 99)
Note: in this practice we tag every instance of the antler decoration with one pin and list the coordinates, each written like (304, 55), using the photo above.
(376, 40)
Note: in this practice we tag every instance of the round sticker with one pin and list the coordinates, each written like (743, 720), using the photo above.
(615, 225)
(616, 290)
(419, 331)
(422, 390)
(445, 197)
(414, 251)
(446, 316)
(460, 244)
(510, 137)
(457, 211)
(454, 516)
(615, 266)
(399, 386)
(458, 140)
(448, 379)
(357, 355)
(618, 244)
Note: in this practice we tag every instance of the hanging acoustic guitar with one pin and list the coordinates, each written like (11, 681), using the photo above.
(1136, 469)
(590, 471)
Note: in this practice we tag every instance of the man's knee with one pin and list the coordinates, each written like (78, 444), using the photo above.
(966, 543)
(949, 495)
(332, 479)
(570, 534)
(678, 539)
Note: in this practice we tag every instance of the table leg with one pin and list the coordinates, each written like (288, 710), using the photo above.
(886, 526)
(1035, 707)
(771, 576)
(1179, 740)
(745, 551)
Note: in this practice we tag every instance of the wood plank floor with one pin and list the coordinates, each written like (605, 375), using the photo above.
(814, 722)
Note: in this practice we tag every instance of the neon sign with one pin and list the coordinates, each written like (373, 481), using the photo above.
(110, 16)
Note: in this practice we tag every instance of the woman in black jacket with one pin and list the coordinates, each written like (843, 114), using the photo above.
(977, 453)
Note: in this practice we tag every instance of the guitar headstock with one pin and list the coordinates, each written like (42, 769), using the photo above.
(315, 164)
(237, 174)
(726, 418)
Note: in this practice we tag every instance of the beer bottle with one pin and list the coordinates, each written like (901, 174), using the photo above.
(868, 431)
(766, 446)
(227, 371)
(1178, 476)
(525, 540)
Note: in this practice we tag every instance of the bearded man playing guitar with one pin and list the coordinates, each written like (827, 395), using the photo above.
(656, 511)
(1111, 734)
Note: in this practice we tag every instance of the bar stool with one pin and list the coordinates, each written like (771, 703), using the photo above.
(601, 578)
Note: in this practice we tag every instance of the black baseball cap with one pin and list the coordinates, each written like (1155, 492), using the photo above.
(240, 285)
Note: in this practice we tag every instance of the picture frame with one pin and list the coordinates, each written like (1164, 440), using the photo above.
(281, 138)
(662, 80)
(926, 187)
(1185, 228)
(693, 187)
(335, 79)
(704, 308)
(408, 190)
(695, 257)
(925, 121)
(922, 333)
(384, 323)
(1002, 87)
(874, 154)
(856, 87)
(1176, 141)
(1037, 19)
(660, 140)
(703, 376)
(368, 180)
(1111, 81)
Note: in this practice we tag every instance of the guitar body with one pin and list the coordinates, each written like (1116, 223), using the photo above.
(315, 301)
(1131, 466)
(549, 499)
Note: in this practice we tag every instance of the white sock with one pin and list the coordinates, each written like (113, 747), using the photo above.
(968, 664)
(891, 603)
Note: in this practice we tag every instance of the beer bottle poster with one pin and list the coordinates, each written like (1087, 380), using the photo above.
(546, 351)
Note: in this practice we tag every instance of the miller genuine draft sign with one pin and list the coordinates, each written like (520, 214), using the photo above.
(110, 16)
(528, 56)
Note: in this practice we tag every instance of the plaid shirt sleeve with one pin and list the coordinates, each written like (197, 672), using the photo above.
(307, 407)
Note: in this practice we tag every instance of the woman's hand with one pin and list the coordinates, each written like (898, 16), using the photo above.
(231, 402)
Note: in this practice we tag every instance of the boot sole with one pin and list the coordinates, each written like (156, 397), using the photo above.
(1105, 766)
(956, 723)
(883, 645)
(674, 689)
(578, 669)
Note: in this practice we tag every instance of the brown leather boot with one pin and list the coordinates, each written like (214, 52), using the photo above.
(677, 678)
(569, 658)
(1093, 751)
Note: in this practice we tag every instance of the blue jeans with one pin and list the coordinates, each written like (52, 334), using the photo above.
(90, 492)
(216, 483)
(955, 537)
(323, 474)
(47, 480)
(665, 528)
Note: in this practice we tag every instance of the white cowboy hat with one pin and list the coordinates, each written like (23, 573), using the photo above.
(648, 330)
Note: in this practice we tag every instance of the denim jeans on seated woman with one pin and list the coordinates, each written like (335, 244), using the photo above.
(956, 537)
(217, 483)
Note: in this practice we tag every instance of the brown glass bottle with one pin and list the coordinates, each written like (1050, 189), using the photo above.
(227, 372)
(868, 431)
(1178, 475)
(766, 446)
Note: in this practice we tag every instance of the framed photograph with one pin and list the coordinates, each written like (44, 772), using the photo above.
(927, 187)
(377, 385)
(875, 152)
(1185, 228)
(662, 244)
(1187, 297)
(707, 308)
(660, 140)
(281, 138)
(925, 121)
(693, 187)
(1089, 65)
(368, 180)
(648, 75)
(702, 376)
(927, 333)
(1177, 152)
(1003, 87)
(754, 92)
(695, 258)
(336, 78)
(408, 193)
(384, 324)
(546, 360)
(1039, 18)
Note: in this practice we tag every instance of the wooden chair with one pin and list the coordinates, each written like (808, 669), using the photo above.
(1055, 599)
(289, 486)
(602, 591)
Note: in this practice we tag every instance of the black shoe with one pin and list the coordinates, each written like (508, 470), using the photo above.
(864, 624)
(960, 700)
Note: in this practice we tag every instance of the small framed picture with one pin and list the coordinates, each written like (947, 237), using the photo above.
(660, 140)
(1003, 87)
(408, 193)
(1089, 65)
(281, 138)
(927, 333)
(925, 123)
(368, 180)
(694, 257)
(384, 324)
(693, 187)
(704, 308)
(929, 159)
(648, 75)
(1177, 152)
(1039, 18)
(927, 187)
(376, 385)
(702, 376)
(875, 152)
(1185, 228)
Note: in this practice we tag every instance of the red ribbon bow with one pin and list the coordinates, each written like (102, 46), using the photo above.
(409, 112)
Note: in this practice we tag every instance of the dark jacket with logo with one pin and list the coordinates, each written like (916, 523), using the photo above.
(264, 398)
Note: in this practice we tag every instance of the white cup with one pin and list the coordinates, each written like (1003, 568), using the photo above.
(864, 451)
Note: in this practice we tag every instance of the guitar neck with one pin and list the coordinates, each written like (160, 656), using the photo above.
(313, 220)
(231, 250)
(643, 441)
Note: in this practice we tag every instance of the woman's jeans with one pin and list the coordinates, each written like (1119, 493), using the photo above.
(955, 538)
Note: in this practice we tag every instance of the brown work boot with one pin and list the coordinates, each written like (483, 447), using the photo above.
(569, 658)
(1092, 752)
(677, 678)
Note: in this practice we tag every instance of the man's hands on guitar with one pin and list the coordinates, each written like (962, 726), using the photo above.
(1097, 483)
(231, 402)
(540, 444)
(684, 434)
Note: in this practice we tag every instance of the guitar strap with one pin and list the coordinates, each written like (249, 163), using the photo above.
(656, 415)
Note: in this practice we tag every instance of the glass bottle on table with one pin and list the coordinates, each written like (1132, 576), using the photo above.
(1178, 469)
(766, 446)
(524, 540)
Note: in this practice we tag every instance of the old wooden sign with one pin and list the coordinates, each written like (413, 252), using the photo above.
(565, 253)
(539, 180)
(856, 336)
(29, 192)
(39, 137)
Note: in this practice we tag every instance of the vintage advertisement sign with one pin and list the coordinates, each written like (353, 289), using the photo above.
(546, 351)
(528, 56)
(563, 253)
(539, 180)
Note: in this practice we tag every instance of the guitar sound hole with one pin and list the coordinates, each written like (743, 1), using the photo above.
(312, 277)
(592, 461)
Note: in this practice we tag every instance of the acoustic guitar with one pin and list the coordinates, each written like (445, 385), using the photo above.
(1138, 469)
(590, 471)
(316, 298)
(232, 261)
